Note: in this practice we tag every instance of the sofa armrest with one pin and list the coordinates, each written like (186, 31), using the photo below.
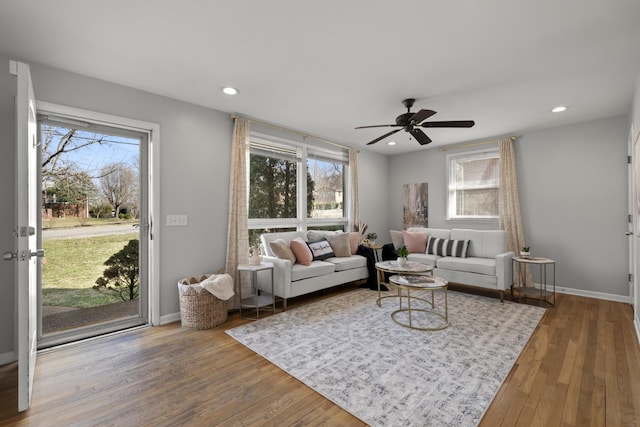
(503, 270)
(281, 277)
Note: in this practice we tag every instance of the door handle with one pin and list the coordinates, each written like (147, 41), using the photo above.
(628, 233)
(8, 256)
(39, 253)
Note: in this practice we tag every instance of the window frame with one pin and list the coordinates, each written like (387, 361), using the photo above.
(450, 190)
(303, 152)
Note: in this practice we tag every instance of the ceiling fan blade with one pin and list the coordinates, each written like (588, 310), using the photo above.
(383, 136)
(376, 126)
(420, 136)
(449, 124)
(421, 115)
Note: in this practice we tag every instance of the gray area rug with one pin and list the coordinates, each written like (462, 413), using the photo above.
(349, 350)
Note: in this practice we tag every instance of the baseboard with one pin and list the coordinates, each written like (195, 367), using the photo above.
(169, 318)
(636, 322)
(8, 357)
(593, 294)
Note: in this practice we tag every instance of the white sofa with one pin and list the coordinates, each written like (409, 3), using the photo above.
(487, 265)
(292, 280)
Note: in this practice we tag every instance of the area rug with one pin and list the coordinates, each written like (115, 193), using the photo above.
(349, 350)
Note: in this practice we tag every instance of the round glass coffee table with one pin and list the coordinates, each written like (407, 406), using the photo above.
(410, 283)
(410, 268)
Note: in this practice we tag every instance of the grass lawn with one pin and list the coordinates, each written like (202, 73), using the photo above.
(71, 267)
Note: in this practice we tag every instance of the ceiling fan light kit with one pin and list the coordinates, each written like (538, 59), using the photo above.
(410, 121)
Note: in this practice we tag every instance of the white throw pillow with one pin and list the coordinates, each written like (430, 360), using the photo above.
(397, 238)
(282, 250)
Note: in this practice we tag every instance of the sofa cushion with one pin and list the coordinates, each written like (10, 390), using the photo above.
(347, 263)
(447, 247)
(340, 244)
(281, 249)
(416, 242)
(301, 251)
(470, 265)
(321, 250)
(484, 243)
(428, 259)
(316, 268)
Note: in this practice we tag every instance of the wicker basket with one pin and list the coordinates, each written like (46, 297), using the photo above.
(200, 310)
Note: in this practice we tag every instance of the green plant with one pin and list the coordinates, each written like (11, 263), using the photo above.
(372, 236)
(525, 249)
(121, 275)
(402, 252)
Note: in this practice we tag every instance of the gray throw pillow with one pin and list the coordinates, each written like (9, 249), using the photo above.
(340, 244)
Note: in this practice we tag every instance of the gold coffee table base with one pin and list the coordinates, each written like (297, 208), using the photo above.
(410, 310)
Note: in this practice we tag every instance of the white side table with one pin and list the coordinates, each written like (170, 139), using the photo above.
(255, 300)
(518, 271)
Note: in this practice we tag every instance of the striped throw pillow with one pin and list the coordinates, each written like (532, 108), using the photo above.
(447, 247)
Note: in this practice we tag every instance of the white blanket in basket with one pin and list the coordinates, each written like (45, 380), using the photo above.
(220, 285)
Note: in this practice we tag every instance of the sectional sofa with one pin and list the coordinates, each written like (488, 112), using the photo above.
(485, 263)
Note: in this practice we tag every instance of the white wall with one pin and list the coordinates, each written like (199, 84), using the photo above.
(573, 183)
(573, 196)
(195, 153)
(635, 124)
(424, 166)
(373, 188)
(194, 168)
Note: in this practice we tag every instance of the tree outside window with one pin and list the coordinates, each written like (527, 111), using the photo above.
(285, 179)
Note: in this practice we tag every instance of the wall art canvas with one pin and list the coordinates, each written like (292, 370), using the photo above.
(416, 205)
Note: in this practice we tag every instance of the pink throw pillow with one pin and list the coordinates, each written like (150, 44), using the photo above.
(301, 251)
(354, 239)
(416, 242)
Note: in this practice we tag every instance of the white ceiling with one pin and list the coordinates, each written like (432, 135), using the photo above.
(325, 67)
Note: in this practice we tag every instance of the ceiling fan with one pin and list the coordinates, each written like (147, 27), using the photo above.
(410, 122)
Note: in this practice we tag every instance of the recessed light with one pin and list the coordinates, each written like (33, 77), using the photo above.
(391, 143)
(230, 90)
(559, 109)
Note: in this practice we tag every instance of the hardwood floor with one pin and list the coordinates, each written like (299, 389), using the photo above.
(580, 367)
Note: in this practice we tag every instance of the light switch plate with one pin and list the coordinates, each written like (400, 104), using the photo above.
(173, 220)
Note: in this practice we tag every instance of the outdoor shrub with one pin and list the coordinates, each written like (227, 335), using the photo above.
(103, 211)
(122, 274)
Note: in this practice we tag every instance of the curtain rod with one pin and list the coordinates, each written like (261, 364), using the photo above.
(473, 144)
(304, 135)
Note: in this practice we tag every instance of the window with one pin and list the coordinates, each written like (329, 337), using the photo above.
(294, 186)
(473, 184)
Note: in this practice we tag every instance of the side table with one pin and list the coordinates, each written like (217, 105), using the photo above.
(542, 293)
(255, 300)
(376, 247)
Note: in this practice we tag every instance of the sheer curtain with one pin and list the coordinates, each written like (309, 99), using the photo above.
(238, 228)
(509, 201)
(354, 215)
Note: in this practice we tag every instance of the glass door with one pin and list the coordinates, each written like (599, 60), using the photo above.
(93, 221)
